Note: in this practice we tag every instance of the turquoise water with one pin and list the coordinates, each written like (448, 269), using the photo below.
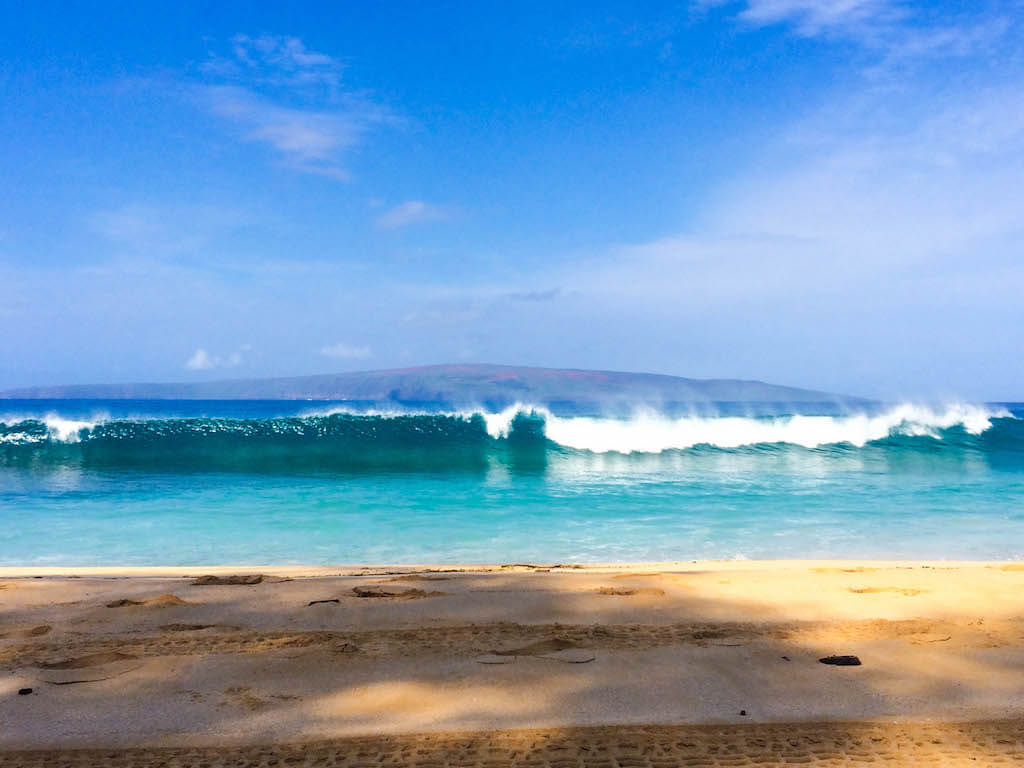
(190, 483)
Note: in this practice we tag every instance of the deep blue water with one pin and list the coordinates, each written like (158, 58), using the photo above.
(182, 483)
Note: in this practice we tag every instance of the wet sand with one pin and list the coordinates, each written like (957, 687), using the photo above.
(638, 664)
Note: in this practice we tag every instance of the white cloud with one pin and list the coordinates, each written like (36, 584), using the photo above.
(345, 351)
(278, 93)
(202, 360)
(408, 213)
(285, 59)
(853, 209)
(814, 17)
(311, 141)
(899, 30)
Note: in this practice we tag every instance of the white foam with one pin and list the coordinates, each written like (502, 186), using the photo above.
(650, 432)
(499, 424)
(57, 427)
(65, 430)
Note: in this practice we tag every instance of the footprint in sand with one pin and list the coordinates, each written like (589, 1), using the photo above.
(398, 594)
(88, 669)
(237, 580)
(42, 629)
(189, 627)
(160, 601)
(627, 592)
(553, 649)
(242, 696)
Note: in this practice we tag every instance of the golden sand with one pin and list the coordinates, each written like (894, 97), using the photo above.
(816, 744)
(547, 665)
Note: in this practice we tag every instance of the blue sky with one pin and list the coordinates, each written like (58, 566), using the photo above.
(825, 193)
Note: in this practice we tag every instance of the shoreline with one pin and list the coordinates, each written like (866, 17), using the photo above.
(156, 657)
(357, 569)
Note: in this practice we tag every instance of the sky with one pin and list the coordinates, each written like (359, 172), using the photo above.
(820, 193)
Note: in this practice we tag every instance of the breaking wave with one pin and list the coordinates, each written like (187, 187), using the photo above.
(342, 439)
(651, 432)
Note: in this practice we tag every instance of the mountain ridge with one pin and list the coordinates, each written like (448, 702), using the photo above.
(449, 383)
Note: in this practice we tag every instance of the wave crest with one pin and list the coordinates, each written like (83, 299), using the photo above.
(646, 432)
(51, 427)
(652, 432)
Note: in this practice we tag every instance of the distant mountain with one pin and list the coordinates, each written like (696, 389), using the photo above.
(496, 385)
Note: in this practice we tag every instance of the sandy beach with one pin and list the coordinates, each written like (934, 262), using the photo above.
(709, 663)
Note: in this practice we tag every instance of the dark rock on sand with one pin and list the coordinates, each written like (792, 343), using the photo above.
(841, 661)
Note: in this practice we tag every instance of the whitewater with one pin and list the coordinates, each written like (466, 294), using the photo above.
(209, 482)
(648, 431)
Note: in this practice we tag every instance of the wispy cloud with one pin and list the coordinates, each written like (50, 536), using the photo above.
(201, 360)
(548, 294)
(278, 93)
(408, 213)
(164, 230)
(345, 351)
(881, 196)
(868, 228)
(127, 224)
(307, 140)
(278, 60)
(899, 30)
(815, 17)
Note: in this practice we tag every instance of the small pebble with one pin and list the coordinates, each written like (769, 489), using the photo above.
(24, 691)
(743, 713)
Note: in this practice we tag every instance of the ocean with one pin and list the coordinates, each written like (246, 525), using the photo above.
(156, 482)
